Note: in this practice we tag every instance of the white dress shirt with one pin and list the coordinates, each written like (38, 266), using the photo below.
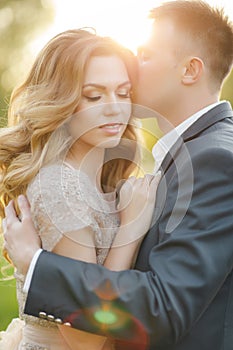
(159, 151)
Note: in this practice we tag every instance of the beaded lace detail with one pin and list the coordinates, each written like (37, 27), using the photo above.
(28, 346)
(63, 200)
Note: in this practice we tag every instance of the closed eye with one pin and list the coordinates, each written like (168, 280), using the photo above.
(143, 54)
(92, 98)
(124, 93)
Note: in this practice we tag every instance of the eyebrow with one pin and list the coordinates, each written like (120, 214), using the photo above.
(102, 87)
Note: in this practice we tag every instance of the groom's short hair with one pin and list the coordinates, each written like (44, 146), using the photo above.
(207, 28)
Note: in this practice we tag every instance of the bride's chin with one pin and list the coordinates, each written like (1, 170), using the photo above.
(110, 142)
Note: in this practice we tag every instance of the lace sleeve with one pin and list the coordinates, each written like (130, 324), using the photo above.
(59, 200)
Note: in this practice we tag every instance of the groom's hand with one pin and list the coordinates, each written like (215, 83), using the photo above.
(21, 238)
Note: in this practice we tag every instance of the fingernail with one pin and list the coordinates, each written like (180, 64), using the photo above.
(21, 199)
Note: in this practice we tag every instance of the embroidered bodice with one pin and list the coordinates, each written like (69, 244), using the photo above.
(63, 201)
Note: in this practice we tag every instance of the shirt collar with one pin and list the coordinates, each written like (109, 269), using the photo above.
(165, 143)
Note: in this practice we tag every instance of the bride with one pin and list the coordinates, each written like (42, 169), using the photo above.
(69, 144)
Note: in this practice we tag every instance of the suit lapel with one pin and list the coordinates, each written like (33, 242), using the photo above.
(213, 116)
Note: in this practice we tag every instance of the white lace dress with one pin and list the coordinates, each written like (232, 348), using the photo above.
(63, 200)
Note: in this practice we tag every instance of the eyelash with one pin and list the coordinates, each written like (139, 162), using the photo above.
(144, 56)
(92, 99)
(97, 98)
(126, 94)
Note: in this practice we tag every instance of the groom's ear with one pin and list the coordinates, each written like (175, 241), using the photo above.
(192, 70)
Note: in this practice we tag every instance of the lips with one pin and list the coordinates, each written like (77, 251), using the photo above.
(111, 125)
(111, 128)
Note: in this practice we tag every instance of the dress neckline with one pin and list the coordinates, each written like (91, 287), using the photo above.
(110, 196)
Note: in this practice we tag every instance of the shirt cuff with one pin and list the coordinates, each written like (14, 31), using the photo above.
(31, 270)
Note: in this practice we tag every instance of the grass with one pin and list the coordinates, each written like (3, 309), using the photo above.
(8, 301)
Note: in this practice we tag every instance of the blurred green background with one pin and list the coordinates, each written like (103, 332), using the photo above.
(21, 21)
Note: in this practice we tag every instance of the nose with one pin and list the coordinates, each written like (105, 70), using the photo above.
(112, 106)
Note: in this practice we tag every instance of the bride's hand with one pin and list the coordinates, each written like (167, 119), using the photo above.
(137, 201)
(136, 205)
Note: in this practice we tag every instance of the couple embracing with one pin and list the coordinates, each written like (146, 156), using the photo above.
(144, 265)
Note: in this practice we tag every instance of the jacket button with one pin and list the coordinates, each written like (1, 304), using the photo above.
(58, 320)
(67, 324)
(42, 314)
(50, 318)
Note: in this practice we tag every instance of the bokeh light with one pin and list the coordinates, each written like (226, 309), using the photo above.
(125, 20)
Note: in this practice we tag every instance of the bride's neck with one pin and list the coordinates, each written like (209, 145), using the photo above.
(88, 159)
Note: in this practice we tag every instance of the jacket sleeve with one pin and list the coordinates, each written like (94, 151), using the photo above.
(186, 269)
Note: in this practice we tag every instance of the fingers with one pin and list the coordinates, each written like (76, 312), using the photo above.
(157, 178)
(127, 184)
(10, 214)
(24, 208)
(126, 192)
(4, 225)
(149, 178)
(142, 182)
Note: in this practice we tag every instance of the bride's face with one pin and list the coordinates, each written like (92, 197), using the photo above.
(105, 106)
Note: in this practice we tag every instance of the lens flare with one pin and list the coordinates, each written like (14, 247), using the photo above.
(105, 316)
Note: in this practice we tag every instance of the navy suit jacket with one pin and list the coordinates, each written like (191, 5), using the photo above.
(180, 294)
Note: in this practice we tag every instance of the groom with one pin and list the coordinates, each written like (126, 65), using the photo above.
(180, 294)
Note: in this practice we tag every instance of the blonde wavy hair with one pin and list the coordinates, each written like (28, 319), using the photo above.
(40, 107)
